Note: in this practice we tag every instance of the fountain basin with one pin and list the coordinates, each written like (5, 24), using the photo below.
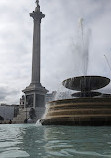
(79, 111)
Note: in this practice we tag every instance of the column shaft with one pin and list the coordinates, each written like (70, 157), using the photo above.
(36, 53)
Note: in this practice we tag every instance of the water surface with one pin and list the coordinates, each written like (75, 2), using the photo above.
(32, 141)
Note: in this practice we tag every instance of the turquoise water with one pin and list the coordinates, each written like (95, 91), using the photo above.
(32, 141)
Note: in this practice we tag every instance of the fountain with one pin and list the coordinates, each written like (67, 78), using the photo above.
(88, 107)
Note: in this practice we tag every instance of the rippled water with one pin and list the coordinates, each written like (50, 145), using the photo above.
(32, 141)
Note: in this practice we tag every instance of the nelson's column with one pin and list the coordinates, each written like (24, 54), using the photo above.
(35, 92)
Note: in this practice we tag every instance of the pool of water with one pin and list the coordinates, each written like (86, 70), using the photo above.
(33, 141)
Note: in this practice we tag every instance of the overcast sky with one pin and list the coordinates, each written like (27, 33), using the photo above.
(61, 56)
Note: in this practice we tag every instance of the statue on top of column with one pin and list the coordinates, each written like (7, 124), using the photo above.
(37, 1)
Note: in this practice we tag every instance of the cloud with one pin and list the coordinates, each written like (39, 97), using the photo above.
(7, 93)
(60, 56)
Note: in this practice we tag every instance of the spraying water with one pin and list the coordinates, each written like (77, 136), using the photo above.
(84, 47)
(81, 25)
(63, 93)
(107, 62)
(80, 53)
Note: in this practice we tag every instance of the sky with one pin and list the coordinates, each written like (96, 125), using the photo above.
(62, 36)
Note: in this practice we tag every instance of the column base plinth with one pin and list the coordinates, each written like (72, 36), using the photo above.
(35, 98)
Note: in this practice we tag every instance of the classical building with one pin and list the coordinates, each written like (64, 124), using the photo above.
(35, 92)
(8, 112)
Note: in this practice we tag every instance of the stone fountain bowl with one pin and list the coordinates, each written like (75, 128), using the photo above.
(86, 83)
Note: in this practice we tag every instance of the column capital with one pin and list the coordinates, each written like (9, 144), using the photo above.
(36, 15)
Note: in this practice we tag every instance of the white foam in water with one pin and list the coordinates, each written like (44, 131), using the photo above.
(38, 123)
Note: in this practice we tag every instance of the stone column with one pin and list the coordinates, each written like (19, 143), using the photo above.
(37, 16)
(35, 92)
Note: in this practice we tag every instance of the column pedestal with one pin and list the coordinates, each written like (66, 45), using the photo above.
(35, 98)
